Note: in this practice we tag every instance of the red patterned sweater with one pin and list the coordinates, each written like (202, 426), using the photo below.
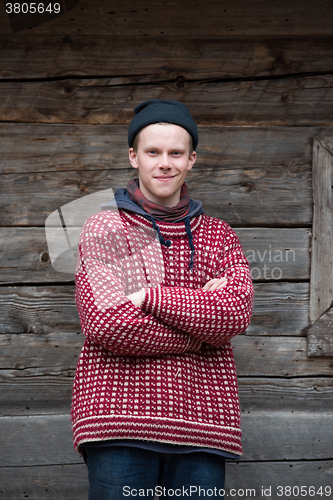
(165, 372)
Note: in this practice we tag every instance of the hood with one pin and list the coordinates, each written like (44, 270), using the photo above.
(123, 201)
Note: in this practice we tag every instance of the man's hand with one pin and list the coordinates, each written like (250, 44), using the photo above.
(137, 297)
(215, 284)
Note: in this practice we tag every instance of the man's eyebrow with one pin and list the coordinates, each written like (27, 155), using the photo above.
(182, 149)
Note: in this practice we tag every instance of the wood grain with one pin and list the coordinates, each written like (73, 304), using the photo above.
(303, 394)
(320, 338)
(36, 148)
(321, 288)
(156, 58)
(278, 357)
(70, 480)
(301, 17)
(66, 481)
(274, 254)
(28, 355)
(292, 101)
(280, 308)
(259, 197)
(260, 442)
(51, 394)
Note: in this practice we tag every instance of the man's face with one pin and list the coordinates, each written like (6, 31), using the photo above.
(162, 160)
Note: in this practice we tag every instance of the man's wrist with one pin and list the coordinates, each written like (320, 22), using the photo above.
(143, 296)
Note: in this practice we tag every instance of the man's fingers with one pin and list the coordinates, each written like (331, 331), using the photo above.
(215, 284)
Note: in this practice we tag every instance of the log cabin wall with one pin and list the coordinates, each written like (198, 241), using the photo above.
(258, 79)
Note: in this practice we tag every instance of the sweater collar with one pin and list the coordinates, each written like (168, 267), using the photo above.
(122, 200)
(167, 214)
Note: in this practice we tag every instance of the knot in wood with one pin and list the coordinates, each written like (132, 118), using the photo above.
(249, 186)
(181, 82)
(44, 257)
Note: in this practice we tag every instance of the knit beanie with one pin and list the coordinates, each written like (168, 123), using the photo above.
(160, 110)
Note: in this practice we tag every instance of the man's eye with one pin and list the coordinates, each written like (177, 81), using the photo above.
(152, 152)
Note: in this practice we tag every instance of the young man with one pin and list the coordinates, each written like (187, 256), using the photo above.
(155, 403)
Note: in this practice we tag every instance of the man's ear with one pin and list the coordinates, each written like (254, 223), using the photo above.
(132, 158)
(191, 160)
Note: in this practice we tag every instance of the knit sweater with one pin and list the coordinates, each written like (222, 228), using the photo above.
(165, 372)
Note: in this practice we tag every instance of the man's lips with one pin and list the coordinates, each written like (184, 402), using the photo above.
(165, 177)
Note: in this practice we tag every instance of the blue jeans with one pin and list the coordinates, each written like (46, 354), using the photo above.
(120, 472)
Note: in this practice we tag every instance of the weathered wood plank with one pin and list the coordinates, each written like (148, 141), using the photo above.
(279, 309)
(267, 478)
(274, 255)
(56, 354)
(20, 395)
(260, 197)
(31, 148)
(49, 395)
(277, 357)
(320, 336)
(148, 59)
(70, 481)
(309, 395)
(159, 19)
(321, 287)
(22, 446)
(293, 101)
(51, 354)
(38, 310)
(65, 482)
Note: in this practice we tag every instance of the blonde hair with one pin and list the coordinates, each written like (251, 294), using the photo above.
(137, 137)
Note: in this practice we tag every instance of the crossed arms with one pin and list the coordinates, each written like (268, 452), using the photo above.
(169, 319)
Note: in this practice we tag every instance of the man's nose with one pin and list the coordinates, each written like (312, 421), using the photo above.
(165, 161)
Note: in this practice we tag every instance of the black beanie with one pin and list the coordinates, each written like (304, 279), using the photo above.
(160, 110)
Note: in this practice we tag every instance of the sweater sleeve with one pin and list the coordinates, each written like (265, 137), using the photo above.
(107, 316)
(211, 316)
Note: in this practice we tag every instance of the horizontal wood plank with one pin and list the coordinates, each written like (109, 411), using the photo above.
(292, 101)
(39, 395)
(48, 395)
(70, 481)
(278, 357)
(56, 354)
(67, 481)
(153, 58)
(22, 444)
(301, 17)
(34, 148)
(273, 254)
(279, 309)
(303, 394)
(260, 197)
(266, 479)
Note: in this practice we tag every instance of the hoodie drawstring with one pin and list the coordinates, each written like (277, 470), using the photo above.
(190, 238)
(167, 243)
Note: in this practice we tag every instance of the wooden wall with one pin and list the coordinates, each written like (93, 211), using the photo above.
(258, 78)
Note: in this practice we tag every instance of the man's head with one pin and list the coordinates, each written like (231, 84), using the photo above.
(162, 138)
(137, 138)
